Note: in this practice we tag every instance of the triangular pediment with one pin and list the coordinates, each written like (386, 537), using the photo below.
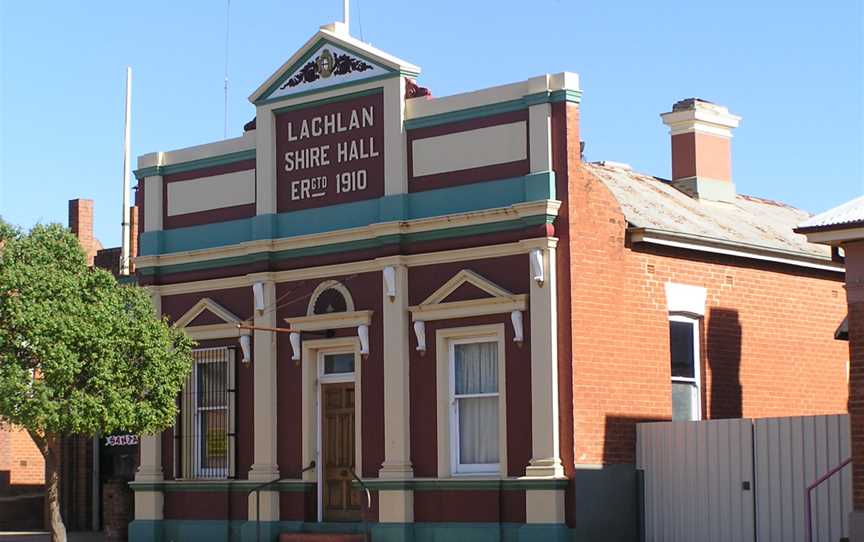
(330, 58)
(206, 312)
(466, 282)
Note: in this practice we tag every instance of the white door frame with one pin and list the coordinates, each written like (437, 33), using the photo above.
(313, 371)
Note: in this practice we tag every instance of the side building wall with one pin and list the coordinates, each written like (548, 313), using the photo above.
(767, 345)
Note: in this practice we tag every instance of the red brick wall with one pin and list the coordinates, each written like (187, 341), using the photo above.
(81, 224)
(20, 456)
(767, 336)
(856, 398)
(855, 298)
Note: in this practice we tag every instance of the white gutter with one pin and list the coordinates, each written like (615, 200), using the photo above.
(716, 246)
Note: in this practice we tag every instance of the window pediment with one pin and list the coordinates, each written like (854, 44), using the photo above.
(497, 300)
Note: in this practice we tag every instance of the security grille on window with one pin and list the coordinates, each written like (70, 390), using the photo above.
(684, 349)
(205, 430)
(474, 406)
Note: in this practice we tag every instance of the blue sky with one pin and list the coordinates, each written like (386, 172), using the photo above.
(793, 70)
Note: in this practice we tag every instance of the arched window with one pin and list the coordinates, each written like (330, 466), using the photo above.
(330, 296)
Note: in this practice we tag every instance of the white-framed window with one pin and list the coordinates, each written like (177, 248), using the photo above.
(685, 367)
(474, 405)
(206, 435)
(336, 365)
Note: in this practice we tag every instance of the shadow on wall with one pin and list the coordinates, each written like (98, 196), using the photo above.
(723, 349)
(607, 497)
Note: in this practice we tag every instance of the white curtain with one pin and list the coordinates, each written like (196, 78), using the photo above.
(476, 373)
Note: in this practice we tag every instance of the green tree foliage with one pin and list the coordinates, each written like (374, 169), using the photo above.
(80, 354)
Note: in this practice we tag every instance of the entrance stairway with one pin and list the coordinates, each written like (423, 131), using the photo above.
(322, 537)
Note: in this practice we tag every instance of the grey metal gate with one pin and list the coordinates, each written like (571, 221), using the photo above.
(744, 480)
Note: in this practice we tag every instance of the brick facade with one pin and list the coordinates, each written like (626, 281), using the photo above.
(20, 456)
(757, 360)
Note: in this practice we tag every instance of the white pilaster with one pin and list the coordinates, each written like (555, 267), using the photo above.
(397, 433)
(149, 504)
(395, 154)
(540, 137)
(545, 456)
(153, 187)
(265, 162)
(265, 466)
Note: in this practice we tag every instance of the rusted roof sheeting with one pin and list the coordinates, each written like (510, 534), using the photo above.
(652, 203)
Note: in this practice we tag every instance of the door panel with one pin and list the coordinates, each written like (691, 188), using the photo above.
(341, 503)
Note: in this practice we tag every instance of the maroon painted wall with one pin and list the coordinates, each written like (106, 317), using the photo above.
(213, 215)
(511, 273)
(366, 290)
(472, 175)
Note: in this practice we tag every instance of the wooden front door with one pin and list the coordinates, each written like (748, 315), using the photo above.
(341, 503)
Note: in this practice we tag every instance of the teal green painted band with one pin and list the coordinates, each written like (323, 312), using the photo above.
(399, 207)
(462, 485)
(466, 114)
(234, 486)
(351, 246)
(182, 167)
(197, 530)
(557, 96)
(334, 99)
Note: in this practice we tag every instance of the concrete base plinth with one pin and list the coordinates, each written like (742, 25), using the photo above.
(856, 526)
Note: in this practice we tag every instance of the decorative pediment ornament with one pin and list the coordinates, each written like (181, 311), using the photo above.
(209, 331)
(326, 66)
(499, 300)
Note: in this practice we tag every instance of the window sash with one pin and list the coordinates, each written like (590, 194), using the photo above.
(457, 466)
(198, 409)
(695, 381)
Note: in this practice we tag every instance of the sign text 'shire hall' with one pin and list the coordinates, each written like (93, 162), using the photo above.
(330, 154)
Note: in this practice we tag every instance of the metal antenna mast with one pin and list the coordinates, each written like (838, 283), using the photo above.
(345, 14)
(124, 250)
(227, 35)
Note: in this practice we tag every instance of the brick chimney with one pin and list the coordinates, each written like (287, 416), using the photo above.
(702, 149)
(81, 224)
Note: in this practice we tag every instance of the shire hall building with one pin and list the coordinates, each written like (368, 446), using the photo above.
(427, 318)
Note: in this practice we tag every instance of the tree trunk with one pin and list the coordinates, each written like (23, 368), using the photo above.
(49, 445)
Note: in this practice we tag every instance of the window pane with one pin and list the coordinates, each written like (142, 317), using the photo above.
(681, 345)
(214, 439)
(683, 401)
(476, 367)
(338, 363)
(478, 430)
(212, 384)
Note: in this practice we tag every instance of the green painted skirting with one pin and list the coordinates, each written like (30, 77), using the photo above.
(400, 207)
(451, 485)
(238, 486)
(247, 531)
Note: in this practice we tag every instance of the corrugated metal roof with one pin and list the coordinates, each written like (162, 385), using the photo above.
(849, 212)
(652, 203)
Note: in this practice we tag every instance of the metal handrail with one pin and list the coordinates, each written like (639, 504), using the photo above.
(257, 490)
(368, 503)
(808, 513)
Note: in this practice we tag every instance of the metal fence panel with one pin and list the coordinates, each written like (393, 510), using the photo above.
(693, 480)
(790, 454)
(696, 476)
